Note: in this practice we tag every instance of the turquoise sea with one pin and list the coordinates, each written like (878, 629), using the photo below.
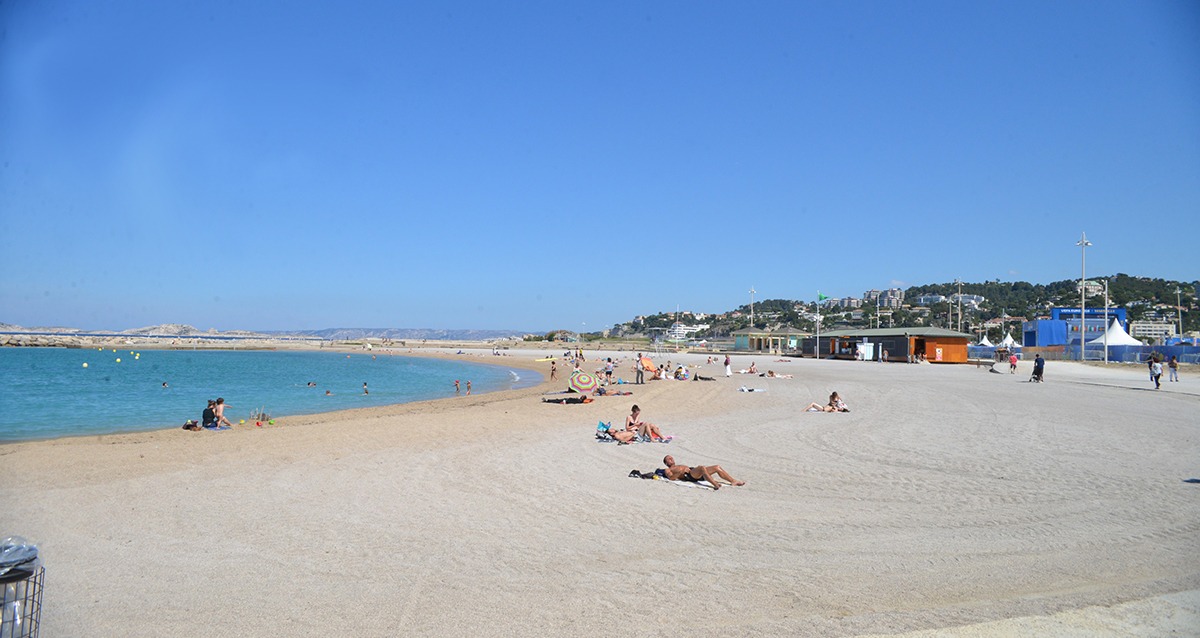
(50, 393)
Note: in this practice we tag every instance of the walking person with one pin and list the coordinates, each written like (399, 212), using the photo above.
(728, 367)
(1173, 366)
(553, 370)
(1039, 369)
(1156, 373)
(1012, 363)
(639, 370)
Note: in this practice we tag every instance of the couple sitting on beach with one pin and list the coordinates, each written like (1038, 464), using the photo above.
(835, 405)
(636, 429)
(214, 415)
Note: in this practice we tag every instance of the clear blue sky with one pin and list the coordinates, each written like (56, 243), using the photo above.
(542, 165)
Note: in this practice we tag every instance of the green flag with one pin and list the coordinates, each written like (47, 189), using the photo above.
(821, 297)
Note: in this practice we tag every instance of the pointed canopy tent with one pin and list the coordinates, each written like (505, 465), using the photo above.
(985, 343)
(1009, 342)
(1116, 336)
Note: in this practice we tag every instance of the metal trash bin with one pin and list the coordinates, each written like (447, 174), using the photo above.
(21, 575)
(21, 602)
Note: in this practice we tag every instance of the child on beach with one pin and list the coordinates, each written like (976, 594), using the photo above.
(219, 410)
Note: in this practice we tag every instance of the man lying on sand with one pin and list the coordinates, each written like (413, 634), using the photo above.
(698, 473)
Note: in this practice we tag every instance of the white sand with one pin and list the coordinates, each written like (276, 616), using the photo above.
(949, 502)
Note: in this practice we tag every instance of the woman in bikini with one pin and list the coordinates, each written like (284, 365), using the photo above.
(647, 431)
(835, 405)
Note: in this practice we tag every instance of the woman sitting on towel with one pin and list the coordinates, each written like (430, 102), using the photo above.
(835, 405)
(648, 431)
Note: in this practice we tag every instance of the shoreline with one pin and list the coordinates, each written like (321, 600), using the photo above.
(1010, 508)
(345, 413)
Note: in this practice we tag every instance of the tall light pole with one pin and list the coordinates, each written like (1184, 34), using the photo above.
(959, 282)
(752, 291)
(1083, 243)
(1179, 311)
(1106, 322)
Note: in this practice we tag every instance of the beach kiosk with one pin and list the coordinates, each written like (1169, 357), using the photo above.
(752, 340)
(936, 345)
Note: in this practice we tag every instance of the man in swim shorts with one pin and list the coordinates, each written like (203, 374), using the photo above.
(677, 472)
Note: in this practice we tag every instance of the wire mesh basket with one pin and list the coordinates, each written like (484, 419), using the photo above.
(21, 602)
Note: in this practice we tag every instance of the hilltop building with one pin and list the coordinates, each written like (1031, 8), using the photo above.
(1159, 331)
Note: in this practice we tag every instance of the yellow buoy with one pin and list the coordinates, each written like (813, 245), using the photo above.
(85, 364)
(118, 359)
(242, 422)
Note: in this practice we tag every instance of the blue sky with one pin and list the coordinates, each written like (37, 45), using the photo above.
(549, 165)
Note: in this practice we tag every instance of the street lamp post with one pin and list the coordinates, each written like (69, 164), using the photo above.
(1083, 243)
(959, 282)
(752, 291)
(1179, 311)
(1106, 322)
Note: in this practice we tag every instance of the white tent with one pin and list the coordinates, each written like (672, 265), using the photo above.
(985, 343)
(1009, 342)
(1116, 336)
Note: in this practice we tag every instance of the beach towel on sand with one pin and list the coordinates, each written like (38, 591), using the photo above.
(661, 475)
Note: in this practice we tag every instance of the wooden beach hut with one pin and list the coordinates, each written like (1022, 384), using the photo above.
(936, 345)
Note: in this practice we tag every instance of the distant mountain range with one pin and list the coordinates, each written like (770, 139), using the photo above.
(329, 334)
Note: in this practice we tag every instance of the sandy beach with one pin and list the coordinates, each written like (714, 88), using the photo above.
(949, 502)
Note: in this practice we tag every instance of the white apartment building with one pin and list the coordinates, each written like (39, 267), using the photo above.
(1157, 330)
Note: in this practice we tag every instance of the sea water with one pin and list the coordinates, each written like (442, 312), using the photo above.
(50, 392)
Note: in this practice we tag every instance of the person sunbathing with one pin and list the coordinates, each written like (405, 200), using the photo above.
(564, 401)
(697, 473)
(648, 431)
(771, 374)
(835, 405)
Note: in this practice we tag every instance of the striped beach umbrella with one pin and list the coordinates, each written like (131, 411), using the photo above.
(583, 382)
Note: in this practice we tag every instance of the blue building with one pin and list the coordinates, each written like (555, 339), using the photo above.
(1062, 328)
